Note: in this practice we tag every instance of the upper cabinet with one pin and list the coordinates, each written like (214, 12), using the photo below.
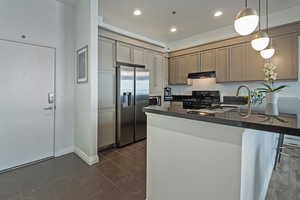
(107, 59)
(286, 56)
(192, 63)
(178, 70)
(208, 60)
(124, 52)
(222, 64)
(138, 56)
(254, 65)
(234, 60)
(173, 71)
(237, 62)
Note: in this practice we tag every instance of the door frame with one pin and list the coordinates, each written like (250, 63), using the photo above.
(54, 104)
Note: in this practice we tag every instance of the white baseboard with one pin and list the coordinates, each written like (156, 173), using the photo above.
(90, 160)
(64, 151)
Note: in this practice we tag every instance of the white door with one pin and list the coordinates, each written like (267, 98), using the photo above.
(26, 115)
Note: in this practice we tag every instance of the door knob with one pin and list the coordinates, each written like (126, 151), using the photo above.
(48, 108)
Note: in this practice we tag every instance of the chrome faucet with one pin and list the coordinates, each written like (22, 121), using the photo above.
(249, 96)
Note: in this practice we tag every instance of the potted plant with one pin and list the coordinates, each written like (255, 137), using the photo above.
(270, 91)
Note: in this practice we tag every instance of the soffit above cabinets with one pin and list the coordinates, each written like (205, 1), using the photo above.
(192, 16)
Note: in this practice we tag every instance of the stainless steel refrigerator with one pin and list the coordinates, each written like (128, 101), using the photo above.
(132, 97)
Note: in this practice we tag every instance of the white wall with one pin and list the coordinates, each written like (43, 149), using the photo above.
(49, 23)
(86, 95)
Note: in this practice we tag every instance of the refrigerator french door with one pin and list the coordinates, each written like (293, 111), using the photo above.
(132, 97)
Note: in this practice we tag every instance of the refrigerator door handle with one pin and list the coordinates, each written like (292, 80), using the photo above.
(129, 99)
(125, 100)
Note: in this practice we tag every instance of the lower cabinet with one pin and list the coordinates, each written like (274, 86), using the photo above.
(106, 127)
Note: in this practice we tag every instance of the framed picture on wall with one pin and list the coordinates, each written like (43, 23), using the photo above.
(82, 65)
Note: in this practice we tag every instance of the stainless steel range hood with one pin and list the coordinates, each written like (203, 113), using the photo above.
(202, 75)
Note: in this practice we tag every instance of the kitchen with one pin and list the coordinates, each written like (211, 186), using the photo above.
(211, 69)
(151, 100)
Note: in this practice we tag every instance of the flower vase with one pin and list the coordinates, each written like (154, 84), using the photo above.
(272, 104)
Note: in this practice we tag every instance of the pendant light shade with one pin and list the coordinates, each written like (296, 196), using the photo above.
(261, 41)
(268, 52)
(246, 21)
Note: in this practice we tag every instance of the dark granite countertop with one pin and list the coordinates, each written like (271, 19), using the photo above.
(285, 123)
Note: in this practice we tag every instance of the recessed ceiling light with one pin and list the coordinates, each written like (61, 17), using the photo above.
(218, 13)
(173, 29)
(137, 12)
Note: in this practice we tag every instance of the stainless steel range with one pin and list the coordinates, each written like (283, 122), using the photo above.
(206, 102)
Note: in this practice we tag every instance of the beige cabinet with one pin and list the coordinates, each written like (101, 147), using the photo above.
(107, 57)
(173, 71)
(154, 63)
(286, 56)
(124, 52)
(222, 65)
(180, 67)
(149, 58)
(254, 65)
(157, 75)
(192, 64)
(237, 62)
(208, 60)
(138, 56)
(182, 72)
(106, 128)
(106, 92)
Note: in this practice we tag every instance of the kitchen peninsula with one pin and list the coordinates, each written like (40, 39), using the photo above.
(212, 156)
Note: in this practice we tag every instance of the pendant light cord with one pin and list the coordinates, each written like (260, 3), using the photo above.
(246, 3)
(259, 14)
(267, 14)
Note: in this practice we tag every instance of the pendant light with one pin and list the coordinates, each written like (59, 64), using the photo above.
(268, 52)
(246, 20)
(261, 39)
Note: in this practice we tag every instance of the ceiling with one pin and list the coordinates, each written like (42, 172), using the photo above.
(192, 17)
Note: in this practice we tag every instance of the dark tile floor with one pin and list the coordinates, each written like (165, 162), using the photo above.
(285, 180)
(120, 175)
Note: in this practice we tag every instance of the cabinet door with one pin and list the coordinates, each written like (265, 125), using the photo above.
(192, 63)
(158, 80)
(208, 60)
(106, 54)
(181, 70)
(172, 71)
(106, 89)
(222, 63)
(106, 127)
(286, 56)
(138, 56)
(149, 58)
(237, 62)
(165, 70)
(254, 65)
(124, 52)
